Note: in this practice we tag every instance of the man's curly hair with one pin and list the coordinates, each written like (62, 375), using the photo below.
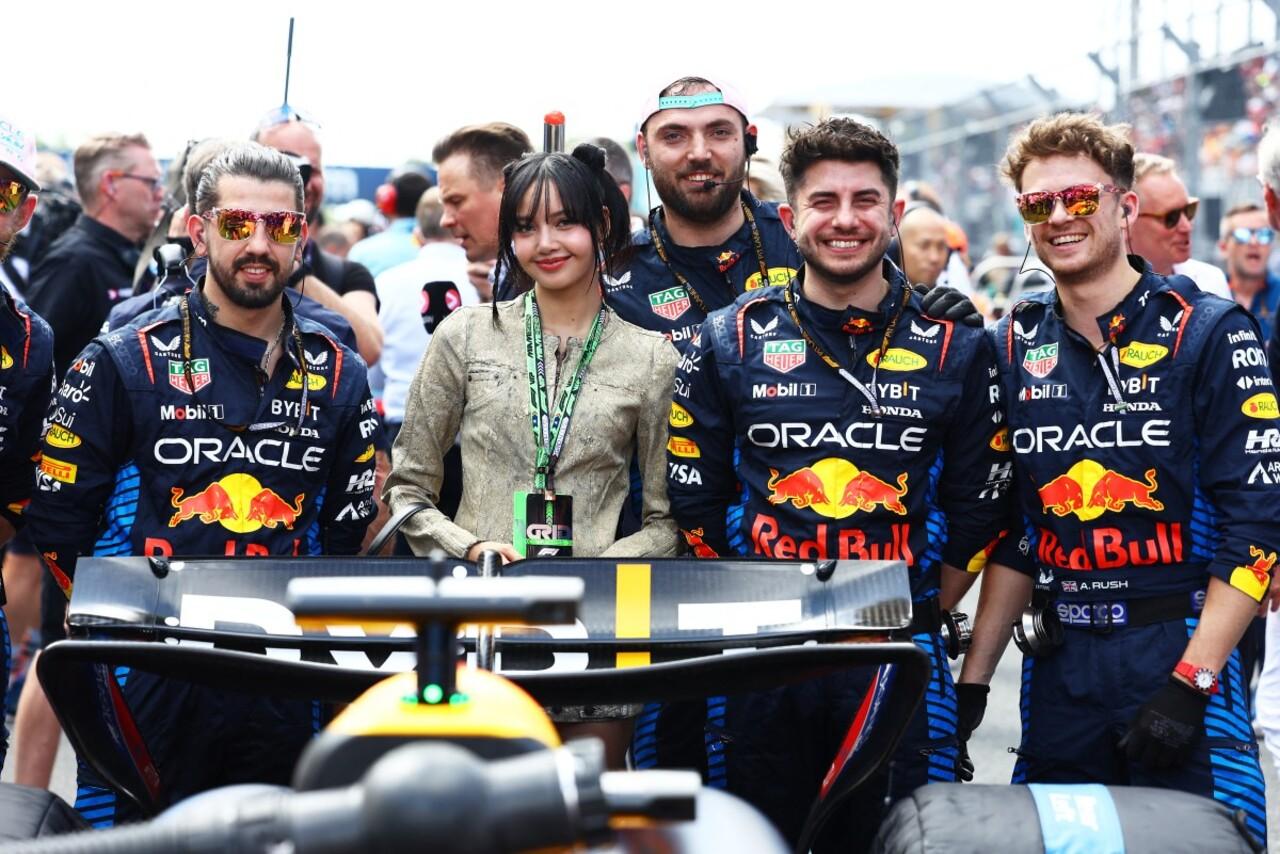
(837, 139)
(1071, 134)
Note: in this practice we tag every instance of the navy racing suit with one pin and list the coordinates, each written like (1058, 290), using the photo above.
(173, 285)
(1143, 470)
(26, 383)
(650, 295)
(151, 452)
(773, 453)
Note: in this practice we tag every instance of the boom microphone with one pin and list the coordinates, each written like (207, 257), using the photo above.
(711, 185)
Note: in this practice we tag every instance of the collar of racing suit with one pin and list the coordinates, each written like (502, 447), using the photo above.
(237, 345)
(1112, 323)
(721, 257)
(19, 322)
(834, 326)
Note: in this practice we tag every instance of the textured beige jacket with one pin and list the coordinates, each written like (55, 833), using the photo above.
(473, 383)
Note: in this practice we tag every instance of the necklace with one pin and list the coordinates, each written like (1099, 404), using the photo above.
(263, 373)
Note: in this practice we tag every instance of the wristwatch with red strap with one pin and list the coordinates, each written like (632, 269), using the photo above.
(1202, 679)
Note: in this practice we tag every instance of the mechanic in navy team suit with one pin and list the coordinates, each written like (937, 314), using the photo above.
(710, 240)
(26, 365)
(182, 268)
(1146, 441)
(222, 425)
(831, 418)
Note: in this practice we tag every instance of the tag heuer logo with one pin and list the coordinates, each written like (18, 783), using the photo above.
(670, 303)
(784, 356)
(1040, 361)
(199, 375)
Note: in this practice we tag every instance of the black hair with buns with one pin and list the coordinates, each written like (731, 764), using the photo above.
(588, 195)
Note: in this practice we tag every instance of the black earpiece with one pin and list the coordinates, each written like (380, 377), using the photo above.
(751, 143)
(1126, 210)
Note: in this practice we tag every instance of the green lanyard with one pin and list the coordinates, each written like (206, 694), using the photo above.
(551, 428)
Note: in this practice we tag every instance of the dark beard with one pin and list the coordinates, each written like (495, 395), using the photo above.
(248, 297)
(874, 260)
(704, 208)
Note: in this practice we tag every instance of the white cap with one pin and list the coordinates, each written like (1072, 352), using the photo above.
(18, 152)
(727, 95)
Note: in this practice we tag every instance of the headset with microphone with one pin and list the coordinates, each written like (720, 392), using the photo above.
(750, 144)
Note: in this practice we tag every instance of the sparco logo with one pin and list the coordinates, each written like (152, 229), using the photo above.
(1093, 613)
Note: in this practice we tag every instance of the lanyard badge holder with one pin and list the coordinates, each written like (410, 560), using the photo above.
(544, 520)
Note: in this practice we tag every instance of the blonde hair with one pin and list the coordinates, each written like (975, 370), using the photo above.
(96, 155)
(1145, 163)
(1070, 134)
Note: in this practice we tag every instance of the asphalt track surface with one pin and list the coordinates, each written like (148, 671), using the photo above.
(1001, 729)
(989, 748)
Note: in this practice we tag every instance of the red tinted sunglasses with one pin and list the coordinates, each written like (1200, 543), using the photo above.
(284, 227)
(1077, 200)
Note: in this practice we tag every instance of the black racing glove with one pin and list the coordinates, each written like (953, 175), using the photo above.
(971, 705)
(949, 304)
(1166, 728)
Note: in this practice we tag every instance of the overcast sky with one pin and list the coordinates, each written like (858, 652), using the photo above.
(385, 80)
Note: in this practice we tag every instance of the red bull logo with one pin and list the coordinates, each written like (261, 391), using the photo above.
(836, 488)
(802, 488)
(826, 542)
(697, 545)
(857, 326)
(238, 502)
(978, 562)
(1088, 490)
(1109, 548)
(1114, 327)
(211, 504)
(271, 510)
(1255, 578)
(725, 260)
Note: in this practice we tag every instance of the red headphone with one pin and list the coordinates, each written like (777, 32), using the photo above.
(385, 199)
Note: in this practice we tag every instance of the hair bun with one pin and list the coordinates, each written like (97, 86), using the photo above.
(592, 155)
